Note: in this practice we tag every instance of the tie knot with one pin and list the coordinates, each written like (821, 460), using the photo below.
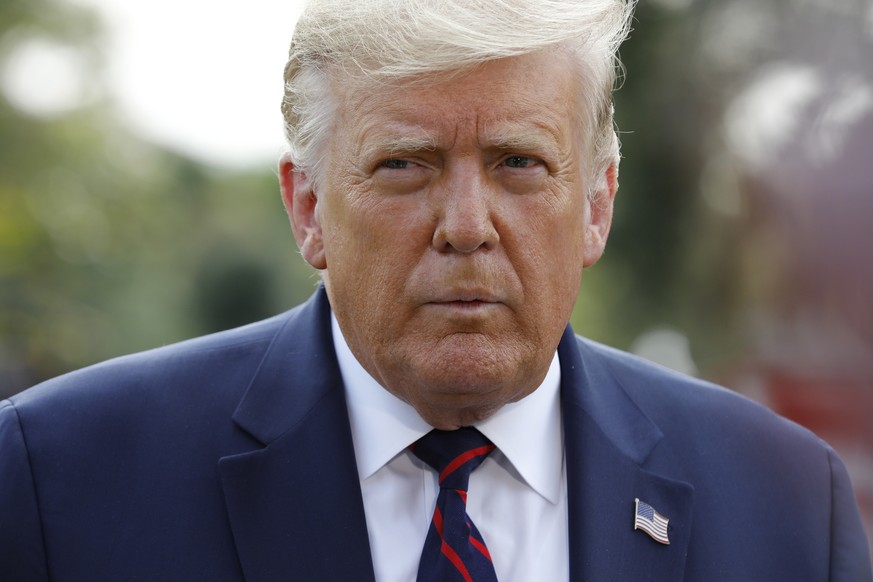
(453, 454)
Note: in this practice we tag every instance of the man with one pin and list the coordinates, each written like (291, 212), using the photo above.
(451, 173)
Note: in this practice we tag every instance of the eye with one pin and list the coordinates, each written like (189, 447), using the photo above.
(396, 164)
(400, 175)
(520, 162)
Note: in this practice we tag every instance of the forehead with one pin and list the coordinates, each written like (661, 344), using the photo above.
(507, 100)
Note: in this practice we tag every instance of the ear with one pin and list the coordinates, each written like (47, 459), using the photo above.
(600, 219)
(302, 207)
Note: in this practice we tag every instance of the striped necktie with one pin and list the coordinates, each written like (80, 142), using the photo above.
(454, 550)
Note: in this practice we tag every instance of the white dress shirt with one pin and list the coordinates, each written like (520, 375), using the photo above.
(517, 497)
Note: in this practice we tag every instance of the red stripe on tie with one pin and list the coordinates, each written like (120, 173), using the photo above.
(481, 547)
(447, 550)
(438, 521)
(462, 494)
(449, 553)
(463, 458)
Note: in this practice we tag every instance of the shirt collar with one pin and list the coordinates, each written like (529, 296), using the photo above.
(383, 425)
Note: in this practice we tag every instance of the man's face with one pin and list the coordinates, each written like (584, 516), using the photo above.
(453, 224)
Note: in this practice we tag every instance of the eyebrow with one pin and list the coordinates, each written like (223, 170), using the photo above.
(500, 138)
(393, 146)
(515, 139)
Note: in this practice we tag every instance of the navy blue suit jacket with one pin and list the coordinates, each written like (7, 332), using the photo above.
(230, 457)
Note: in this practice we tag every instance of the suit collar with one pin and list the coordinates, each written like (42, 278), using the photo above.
(295, 505)
(294, 375)
(608, 439)
(592, 388)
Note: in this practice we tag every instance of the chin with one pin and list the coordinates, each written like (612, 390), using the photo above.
(445, 417)
(465, 378)
(453, 394)
(468, 372)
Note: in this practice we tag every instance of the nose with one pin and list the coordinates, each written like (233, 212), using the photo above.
(466, 223)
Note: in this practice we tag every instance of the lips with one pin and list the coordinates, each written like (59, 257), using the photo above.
(466, 296)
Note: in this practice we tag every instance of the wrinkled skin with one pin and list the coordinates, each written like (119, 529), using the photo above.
(453, 225)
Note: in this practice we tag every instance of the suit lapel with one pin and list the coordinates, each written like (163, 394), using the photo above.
(295, 505)
(607, 441)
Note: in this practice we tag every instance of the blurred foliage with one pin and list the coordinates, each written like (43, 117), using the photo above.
(110, 244)
(657, 270)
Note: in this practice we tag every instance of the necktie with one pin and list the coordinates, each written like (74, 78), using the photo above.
(454, 550)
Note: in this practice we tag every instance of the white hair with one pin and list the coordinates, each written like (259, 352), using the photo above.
(363, 43)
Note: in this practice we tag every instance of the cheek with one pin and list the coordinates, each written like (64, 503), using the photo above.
(372, 244)
(354, 225)
(554, 231)
(551, 246)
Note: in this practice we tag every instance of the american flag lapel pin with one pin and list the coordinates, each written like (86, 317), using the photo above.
(650, 521)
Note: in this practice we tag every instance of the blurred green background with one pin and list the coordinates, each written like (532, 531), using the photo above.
(742, 247)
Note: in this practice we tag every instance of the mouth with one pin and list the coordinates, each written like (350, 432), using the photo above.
(471, 296)
(466, 302)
